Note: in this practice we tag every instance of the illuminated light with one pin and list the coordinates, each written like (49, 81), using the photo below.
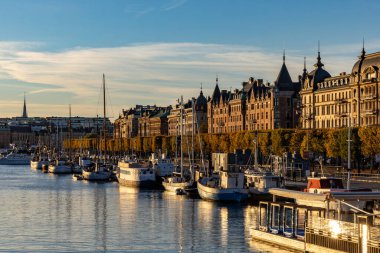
(364, 232)
(335, 228)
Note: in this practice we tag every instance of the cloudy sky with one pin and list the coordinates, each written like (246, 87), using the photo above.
(154, 51)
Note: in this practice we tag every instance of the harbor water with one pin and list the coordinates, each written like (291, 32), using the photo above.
(50, 213)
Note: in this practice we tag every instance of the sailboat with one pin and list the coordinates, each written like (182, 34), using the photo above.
(38, 160)
(59, 165)
(101, 171)
(179, 182)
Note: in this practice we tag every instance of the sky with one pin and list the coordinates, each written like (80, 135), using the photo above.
(152, 52)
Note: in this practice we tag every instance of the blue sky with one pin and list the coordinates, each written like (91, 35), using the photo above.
(154, 51)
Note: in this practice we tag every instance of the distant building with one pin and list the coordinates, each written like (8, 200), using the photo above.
(142, 121)
(35, 129)
(24, 112)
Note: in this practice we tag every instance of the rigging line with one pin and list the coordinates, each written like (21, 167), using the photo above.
(100, 92)
(112, 113)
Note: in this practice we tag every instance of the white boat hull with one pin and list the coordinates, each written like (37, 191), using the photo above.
(131, 174)
(175, 186)
(219, 194)
(59, 169)
(37, 165)
(96, 175)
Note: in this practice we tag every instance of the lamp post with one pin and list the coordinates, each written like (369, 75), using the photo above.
(256, 165)
(348, 115)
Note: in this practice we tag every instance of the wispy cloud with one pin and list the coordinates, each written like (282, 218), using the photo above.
(140, 9)
(150, 73)
(173, 4)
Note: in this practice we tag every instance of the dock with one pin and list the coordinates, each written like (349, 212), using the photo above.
(302, 228)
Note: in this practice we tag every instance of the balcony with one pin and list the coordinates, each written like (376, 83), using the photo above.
(308, 116)
(370, 112)
(341, 101)
(369, 97)
(341, 114)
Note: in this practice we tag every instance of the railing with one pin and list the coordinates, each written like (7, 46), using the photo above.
(357, 176)
(333, 234)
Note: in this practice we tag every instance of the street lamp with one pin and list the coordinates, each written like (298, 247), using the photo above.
(253, 122)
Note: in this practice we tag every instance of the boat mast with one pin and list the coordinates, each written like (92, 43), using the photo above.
(349, 154)
(70, 134)
(104, 119)
(181, 125)
(192, 132)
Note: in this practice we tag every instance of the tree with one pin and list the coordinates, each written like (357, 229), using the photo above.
(295, 140)
(370, 140)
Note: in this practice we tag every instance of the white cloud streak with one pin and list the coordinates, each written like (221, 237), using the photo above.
(155, 73)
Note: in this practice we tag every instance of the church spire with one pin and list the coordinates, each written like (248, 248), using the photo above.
(283, 57)
(24, 113)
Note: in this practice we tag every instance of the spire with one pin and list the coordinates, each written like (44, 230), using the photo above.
(216, 94)
(304, 74)
(363, 51)
(304, 63)
(201, 90)
(283, 76)
(319, 64)
(24, 113)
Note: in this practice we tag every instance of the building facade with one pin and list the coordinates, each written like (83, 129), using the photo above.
(198, 125)
(256, 106)
(343, 100)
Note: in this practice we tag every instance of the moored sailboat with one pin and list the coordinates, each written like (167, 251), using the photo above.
(224, 186)
(100, 172)
(179, 181)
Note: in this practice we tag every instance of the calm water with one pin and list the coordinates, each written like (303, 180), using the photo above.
(48, 213)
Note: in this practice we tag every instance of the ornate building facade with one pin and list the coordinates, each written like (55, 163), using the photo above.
(199, 105)
(346, 99)
(142, 121)
(256, 106)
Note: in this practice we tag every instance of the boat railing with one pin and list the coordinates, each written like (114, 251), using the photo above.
(370, 177)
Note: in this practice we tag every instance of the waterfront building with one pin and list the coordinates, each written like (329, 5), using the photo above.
(256, 106)
(21, 130)
(199, 105)
(142, 121)
(331, 102)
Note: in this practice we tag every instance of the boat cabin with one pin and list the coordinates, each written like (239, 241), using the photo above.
(324, 184)
(262, 182)
(231, 180)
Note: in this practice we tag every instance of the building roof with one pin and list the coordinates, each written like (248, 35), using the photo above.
(318, 74)
(284, 81)
(366, 61)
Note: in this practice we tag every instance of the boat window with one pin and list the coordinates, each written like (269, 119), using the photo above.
(331, 183)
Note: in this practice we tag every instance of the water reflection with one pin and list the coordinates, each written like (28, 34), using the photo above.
(48, 213)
